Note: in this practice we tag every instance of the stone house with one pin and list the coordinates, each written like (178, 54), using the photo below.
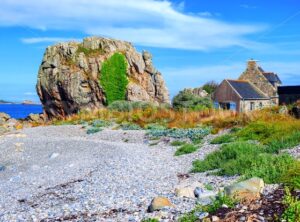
(254, 89)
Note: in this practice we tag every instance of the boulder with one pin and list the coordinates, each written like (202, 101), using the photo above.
(187, 190)
(246, 190)
(158, 203)
(68, 78)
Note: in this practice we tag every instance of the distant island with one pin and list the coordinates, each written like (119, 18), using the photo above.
(5, 102)
(29, 102)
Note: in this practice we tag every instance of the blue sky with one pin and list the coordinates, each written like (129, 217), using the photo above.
(192, 41)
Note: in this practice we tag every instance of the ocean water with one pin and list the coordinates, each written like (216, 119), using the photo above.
(19, 111)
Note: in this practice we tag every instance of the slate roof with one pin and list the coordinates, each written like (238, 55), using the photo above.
(246, 90)
(272, 77)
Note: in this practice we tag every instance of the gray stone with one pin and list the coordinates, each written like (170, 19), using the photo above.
(54, 155)
(2, 167)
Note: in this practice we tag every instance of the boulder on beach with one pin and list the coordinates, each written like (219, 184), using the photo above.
(70, 73)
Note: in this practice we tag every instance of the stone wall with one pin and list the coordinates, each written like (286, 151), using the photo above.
(245, 105)
(256, 77)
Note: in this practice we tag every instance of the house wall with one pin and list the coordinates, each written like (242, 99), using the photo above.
(255, 76)
(224, 93)
(246, 104)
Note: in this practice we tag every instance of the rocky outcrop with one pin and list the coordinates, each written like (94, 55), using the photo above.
(68, 79)
(197, 92)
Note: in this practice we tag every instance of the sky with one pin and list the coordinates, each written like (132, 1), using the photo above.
(192, 41)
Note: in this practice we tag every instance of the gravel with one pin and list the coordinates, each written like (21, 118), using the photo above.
(59, 173)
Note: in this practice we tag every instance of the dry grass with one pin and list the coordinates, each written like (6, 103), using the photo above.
(218, 119)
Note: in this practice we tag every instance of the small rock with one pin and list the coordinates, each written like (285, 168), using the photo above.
(158, 203)
(2, 168)
(54, 155)
(215, 219)
(204, 196)
(249, 189)
(224, 206)
(242, 218)
(201, 215)
(187, 190)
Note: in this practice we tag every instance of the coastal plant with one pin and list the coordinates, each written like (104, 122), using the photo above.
(130, 126)
(93, 130)
(113, 78)
(150, 220)
(178, 143)
(220, 200)
(128, 106)
(186, 149)
(227, 138)
(187, 100)
(192, 134)
(292, 177)
(246, 159)
(292, 207)
(101, 123)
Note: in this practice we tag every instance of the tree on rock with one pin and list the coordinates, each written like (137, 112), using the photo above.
(113, 78)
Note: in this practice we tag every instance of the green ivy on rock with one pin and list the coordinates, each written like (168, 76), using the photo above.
(113, 78)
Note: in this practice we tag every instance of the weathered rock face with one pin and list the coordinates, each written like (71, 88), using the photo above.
(68, 79)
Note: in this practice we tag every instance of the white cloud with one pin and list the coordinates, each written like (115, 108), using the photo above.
(145, 22)
(46, 39)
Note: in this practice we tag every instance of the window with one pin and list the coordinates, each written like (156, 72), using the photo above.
(252, 106)
(260, 105)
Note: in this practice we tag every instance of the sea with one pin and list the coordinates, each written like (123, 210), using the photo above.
(20, 111)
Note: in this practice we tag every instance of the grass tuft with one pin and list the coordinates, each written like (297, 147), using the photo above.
(186, 149)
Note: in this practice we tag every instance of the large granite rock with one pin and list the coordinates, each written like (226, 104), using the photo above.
(68, 79)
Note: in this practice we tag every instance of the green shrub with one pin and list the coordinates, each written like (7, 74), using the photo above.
(127, 106)
(101, 123)
(292, 208)
(150, 220)
(187, 100)
(192, 133)
(210, 87)
(249, 160)
(221, 199)
(292, 177)
(211, 208)
(208, 186)
(89, 52)
(283, 142)
(93, 130)
(178, 143)
(130, 126)
(154, 126)
(227, 138)
(186, 149)
(113, 78)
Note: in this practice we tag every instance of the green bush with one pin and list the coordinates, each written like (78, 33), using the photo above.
(220, 200)
(127, 106)
(178, 143)
(187, 100)
(210, 87)
(292, 208)
(292, 177)
(150, 220)
(249, 160)
(93, 130)
(227, 138)
(101, 123)
(130, 126)
(113, 78)
(186, 149)
(194, 134)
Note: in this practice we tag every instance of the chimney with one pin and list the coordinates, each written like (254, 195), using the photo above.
(251, 64)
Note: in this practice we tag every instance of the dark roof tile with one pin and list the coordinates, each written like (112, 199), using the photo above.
(246, 90)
